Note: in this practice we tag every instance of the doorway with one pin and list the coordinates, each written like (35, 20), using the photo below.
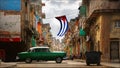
(2, 54)
(114, 51)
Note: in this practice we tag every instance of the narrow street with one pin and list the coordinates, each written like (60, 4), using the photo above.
(77, 63)
(64, 64)
(86, 31)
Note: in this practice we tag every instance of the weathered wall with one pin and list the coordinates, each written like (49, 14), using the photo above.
(114, 32)
(103, 4)
(105, 36)
(10, 24)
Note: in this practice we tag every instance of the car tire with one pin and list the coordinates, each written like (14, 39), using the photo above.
(28, 60)
(58, 60)
(88, 64)
(98, 64)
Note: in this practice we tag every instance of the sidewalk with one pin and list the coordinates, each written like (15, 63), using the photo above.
(74, 62)
(114, 65)
(8, 65)
(108, 64)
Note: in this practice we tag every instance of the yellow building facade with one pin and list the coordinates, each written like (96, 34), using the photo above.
(103, 26)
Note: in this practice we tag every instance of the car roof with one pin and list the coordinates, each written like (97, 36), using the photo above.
(39, 47)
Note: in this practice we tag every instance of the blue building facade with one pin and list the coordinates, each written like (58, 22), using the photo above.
(10, 5)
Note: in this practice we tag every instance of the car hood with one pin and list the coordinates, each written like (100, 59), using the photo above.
(22, 52)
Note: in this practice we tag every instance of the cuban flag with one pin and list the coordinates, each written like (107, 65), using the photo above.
(63, 25)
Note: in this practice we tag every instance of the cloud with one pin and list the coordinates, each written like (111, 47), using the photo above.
(54, 8)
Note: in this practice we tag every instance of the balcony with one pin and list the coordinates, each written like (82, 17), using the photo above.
(102, 4)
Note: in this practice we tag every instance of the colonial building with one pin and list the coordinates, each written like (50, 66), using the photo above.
(18, 20)
(46, 34)
(36, 16)
(102, 25)
(10, 29)
(72, 39)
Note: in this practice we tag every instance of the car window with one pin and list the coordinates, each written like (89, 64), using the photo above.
(40, 50)
(36, 50)
(29, 50)
(45, 50)
(33, 50)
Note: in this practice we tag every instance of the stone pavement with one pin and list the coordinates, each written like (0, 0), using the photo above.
(53, 64)
(69, 62)
(114, 65)
(108, 64)
(8, 65)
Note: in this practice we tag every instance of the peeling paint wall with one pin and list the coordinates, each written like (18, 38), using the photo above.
(10, 25)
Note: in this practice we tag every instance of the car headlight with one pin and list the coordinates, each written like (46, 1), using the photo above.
(17, 57)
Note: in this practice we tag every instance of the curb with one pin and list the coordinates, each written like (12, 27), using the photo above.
(8, 65)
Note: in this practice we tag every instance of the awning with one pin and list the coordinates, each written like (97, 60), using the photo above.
(10, 39)
(82, 32)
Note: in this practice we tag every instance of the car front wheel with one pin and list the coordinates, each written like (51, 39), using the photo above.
(58, 60)
(28, 60)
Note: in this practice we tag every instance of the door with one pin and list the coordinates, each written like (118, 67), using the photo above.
(2, 54)
(114, 51)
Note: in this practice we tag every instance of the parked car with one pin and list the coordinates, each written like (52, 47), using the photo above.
(41, 53)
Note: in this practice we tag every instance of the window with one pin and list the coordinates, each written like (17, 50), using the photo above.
(45, 50)
(37, 50)
(40, 50)
(29, 50)
(33, 50)
(117, 24)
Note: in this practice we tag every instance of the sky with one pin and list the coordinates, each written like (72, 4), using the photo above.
(55, 8)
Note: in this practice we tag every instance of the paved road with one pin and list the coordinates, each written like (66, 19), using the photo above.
(53, 64)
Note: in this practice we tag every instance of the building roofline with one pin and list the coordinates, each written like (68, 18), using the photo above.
(85, 2)
(99, 11)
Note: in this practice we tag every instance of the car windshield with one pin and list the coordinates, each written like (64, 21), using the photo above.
(44, 50)
(29, 50)
(39, 50)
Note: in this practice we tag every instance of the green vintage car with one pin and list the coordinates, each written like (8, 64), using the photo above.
(41, 53)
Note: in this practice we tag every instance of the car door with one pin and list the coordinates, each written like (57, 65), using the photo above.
(35, 54)
(45, 53)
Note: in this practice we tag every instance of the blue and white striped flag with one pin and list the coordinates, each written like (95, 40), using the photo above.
(64, 25)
